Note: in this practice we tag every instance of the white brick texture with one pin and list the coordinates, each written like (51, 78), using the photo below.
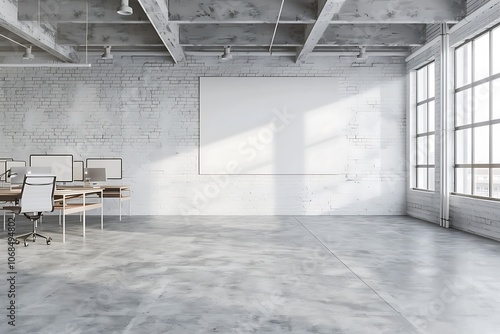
(146, 111)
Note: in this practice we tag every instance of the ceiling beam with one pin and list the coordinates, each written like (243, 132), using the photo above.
(327, 10)
(75, 11)
(242, 11)
(374, 35)
(398, 11)
(42, 36)
(107, 35)
(305, 11)
(292, 35)
(240, 35)
(157, 12)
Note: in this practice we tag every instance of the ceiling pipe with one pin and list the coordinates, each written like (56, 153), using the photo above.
(276, 26)
(13, 41)
(444, 203)
(292, 53)
(46, 65)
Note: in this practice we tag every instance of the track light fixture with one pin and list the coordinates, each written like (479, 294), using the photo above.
(227, 53)
(362, 55)
(124, 8)
(107, 53)
(27, 54)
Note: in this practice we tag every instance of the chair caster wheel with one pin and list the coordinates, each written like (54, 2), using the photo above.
(26, 244)
(18, 242)
(49, 240)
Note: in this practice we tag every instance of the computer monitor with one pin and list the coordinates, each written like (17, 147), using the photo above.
(61, 165)
(17, 173)
(94, 175)
(113, 166)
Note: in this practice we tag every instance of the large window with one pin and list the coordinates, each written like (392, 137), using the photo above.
(477, 116)
(425, 123)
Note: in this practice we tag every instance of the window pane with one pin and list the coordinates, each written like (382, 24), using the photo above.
(463, 181)
(422, 178)
(422, 84)
(496, 183)
(496, 98)
(463, 106)
(431, 79)
(482, 145)
(422, 118)
(431, 142)
(463, 65)
(482, 57)
(482, 103)
(432, 116)
(431, 178)
(422, 151)
(496, 143)
(463, 146)
(496, 50)
(482, 182)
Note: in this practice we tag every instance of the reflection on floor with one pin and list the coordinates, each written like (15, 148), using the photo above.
(248, 274)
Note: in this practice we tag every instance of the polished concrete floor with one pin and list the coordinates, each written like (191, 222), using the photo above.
(282, 274)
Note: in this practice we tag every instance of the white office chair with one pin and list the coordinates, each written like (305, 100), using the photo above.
(37, 196)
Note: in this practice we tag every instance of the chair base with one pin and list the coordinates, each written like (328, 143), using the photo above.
(32, 236)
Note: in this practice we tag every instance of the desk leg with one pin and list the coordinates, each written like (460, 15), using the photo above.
(84, 216)
(64, 219)
(102, 210)
(4, 220)
(120, 204)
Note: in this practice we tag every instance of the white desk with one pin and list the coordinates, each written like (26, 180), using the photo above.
(68, 201)
(122, 193)
(75, 200)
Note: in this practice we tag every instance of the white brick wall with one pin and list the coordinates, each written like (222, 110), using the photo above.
(476, 216)
(146, 111)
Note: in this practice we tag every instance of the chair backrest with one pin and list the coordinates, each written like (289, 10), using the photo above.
(38, 193)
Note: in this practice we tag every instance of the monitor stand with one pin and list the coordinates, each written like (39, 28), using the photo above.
(89, 184)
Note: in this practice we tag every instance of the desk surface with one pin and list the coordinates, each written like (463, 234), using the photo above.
(103, 187)
(7, 194)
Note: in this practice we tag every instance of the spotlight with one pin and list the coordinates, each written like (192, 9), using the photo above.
(227, 54)
(124, 8)
(107, 53)
(362, 55)
(28, 54)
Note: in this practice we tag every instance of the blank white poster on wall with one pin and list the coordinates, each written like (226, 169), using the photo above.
(272, 125)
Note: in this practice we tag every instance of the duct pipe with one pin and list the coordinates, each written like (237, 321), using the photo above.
(443, 147)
